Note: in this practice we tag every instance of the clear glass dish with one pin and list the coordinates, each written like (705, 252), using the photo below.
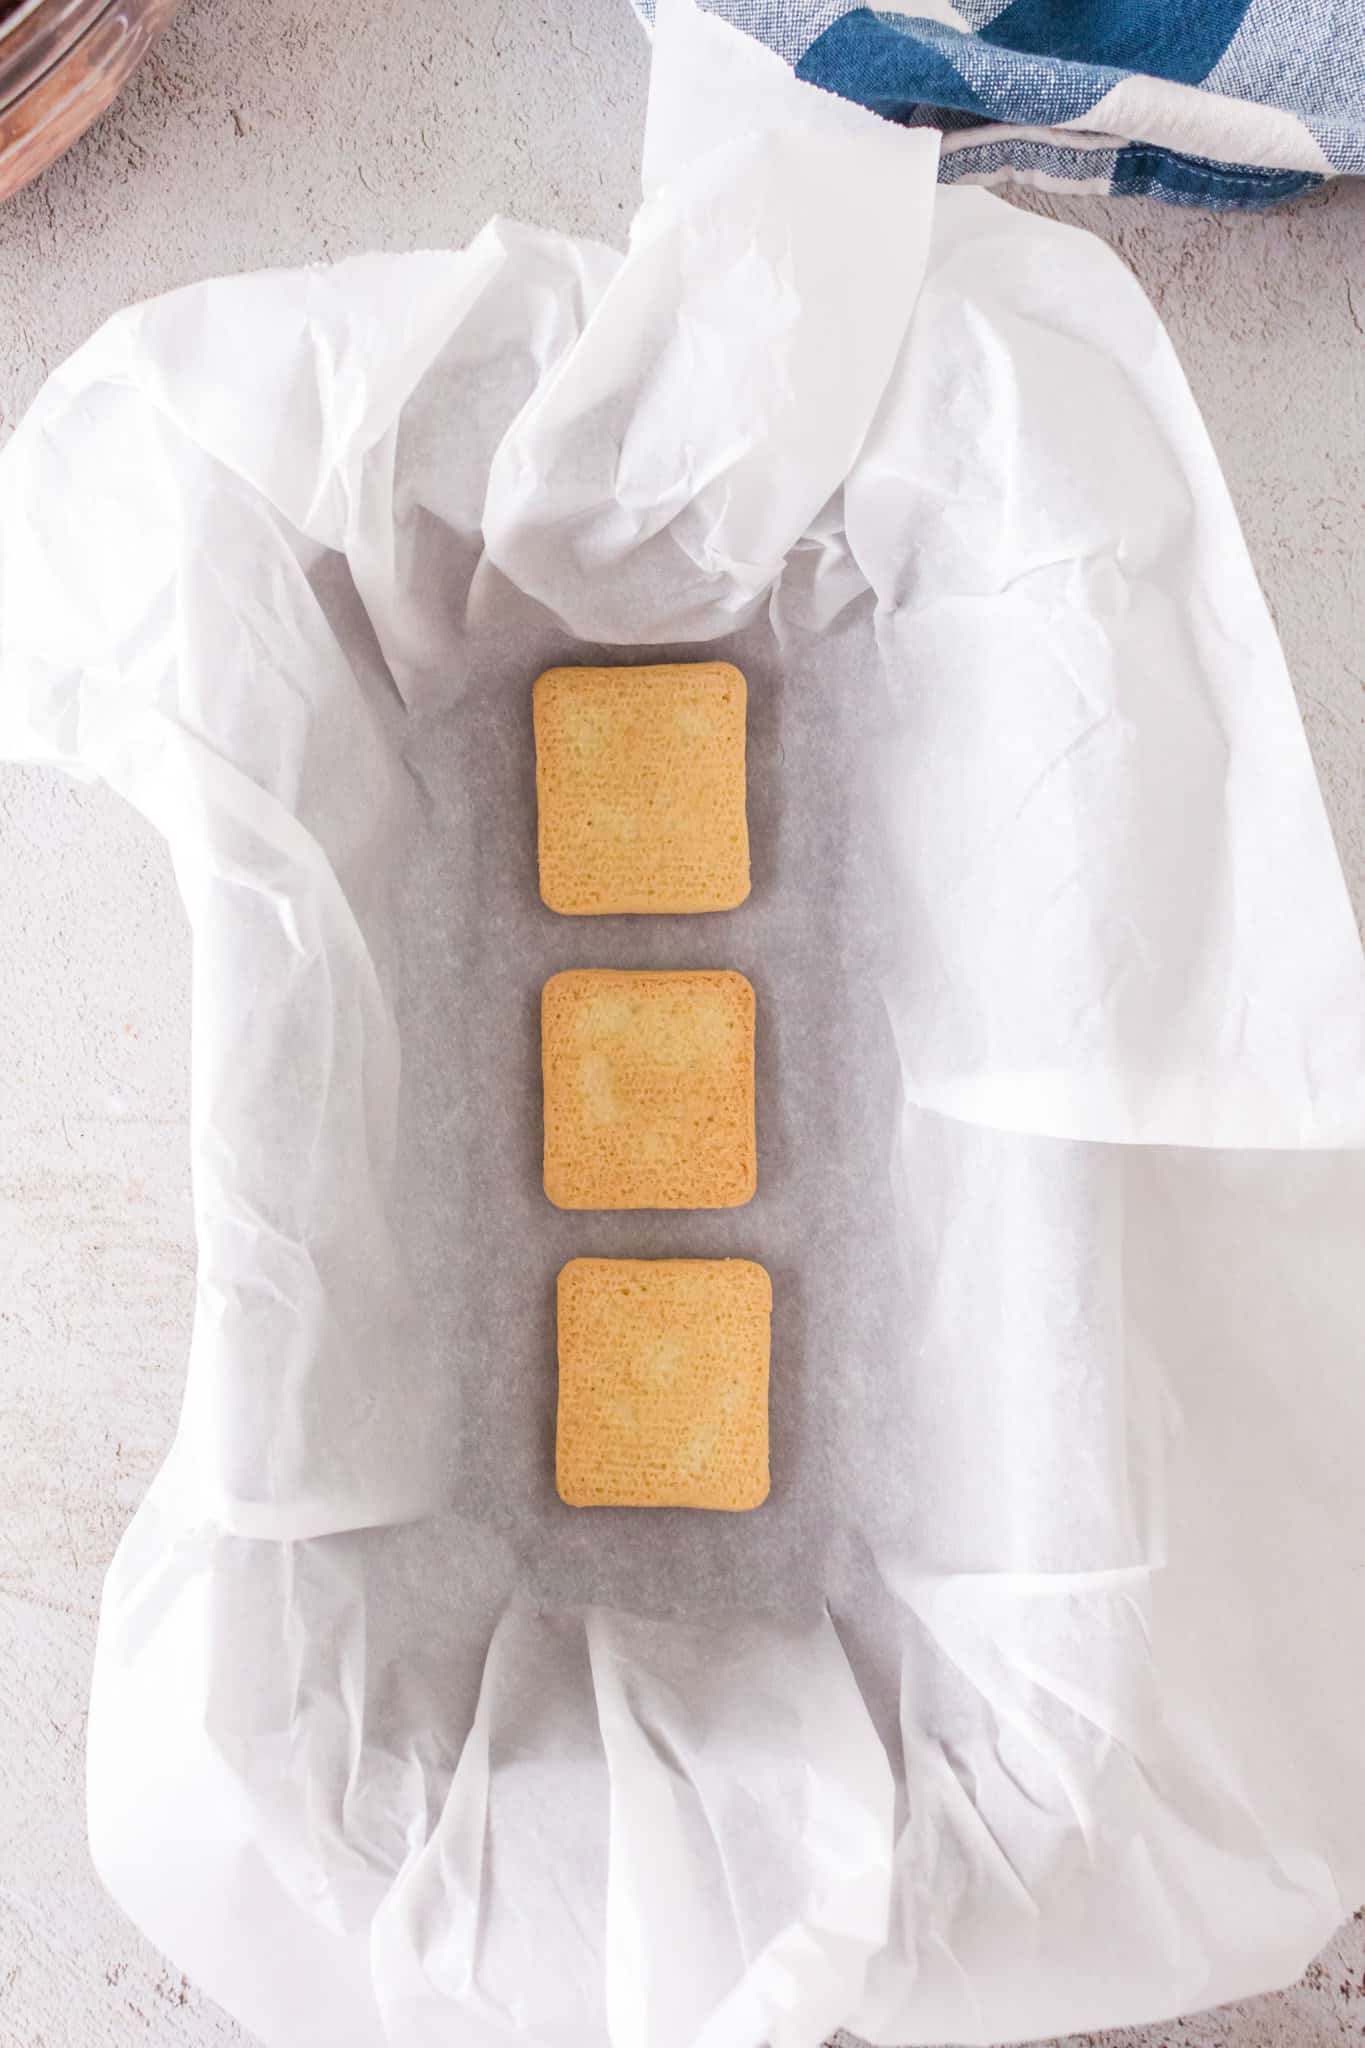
(61, 64)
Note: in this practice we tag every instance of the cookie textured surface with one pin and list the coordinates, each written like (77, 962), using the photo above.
(663, 1383)
(640, 788)
(649, 1089)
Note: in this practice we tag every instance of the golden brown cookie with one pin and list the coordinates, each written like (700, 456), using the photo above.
(663, 1383)
(649, 1089)
(640, 788)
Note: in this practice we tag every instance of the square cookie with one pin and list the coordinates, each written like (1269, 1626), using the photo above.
(640, 788)
(663, 1383)
(649, 1089)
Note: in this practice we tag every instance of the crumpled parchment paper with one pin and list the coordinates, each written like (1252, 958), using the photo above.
(1031, 1701)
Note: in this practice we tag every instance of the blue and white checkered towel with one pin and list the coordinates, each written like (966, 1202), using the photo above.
(1220, 103)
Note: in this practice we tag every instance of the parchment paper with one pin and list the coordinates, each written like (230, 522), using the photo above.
(1030, 1701)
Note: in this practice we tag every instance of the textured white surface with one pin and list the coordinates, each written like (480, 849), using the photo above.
(263, 134)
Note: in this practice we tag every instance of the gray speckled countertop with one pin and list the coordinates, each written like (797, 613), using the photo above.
(275, 131)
